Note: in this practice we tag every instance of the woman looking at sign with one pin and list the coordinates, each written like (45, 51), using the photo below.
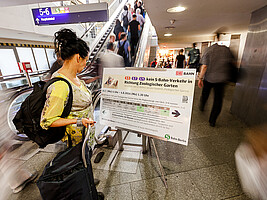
(74, 53)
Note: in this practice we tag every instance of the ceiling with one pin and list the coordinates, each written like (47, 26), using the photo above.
(200, 19)
(4, 3)
(196, 24)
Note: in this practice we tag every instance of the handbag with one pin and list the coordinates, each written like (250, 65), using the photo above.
(69, 175)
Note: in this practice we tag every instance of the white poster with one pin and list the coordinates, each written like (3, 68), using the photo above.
(158, 103)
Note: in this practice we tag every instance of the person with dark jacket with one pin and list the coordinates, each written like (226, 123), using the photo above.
(215, 73)
(194, 57)
(134, 28)
(118, 30)
(180, 59)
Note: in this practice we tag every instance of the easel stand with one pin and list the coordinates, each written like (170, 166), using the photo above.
(144, 149)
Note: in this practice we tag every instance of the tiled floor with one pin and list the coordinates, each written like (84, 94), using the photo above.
(204, 169)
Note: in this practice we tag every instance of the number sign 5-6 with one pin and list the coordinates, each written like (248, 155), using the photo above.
(44, 11)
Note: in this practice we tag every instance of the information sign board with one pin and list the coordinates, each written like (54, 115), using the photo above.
(97, 12)
(158, 103)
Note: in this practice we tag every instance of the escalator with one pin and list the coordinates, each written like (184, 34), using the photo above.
(15, 90)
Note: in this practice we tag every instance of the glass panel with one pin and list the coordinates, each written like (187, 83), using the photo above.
(41, 60)
(51, 57)
(25, 55)
(8, 62)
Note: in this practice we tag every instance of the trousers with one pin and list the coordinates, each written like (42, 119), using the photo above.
(218, 98)
(134, 42)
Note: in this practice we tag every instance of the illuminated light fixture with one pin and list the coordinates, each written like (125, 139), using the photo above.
(176, 9)
(167, 34)
(170, 27)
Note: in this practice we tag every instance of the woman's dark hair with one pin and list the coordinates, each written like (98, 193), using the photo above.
(125, 8)
(123, 35)
(118, 22)
(68, 44)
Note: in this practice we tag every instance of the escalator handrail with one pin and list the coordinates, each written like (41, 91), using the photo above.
(21, 75)
(142, 44)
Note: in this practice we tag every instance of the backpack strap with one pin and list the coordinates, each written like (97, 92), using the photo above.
(68, 106)
(124, 43)
(126, 15)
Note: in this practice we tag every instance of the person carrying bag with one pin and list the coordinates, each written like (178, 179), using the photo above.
(63, 175)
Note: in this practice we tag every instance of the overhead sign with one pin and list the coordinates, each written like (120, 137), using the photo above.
(158, 103)
(97, 12)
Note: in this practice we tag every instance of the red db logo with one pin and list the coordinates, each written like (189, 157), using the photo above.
(127, 77)
(179, 73)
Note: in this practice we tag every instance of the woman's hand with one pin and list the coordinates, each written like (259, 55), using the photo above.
(87, 121)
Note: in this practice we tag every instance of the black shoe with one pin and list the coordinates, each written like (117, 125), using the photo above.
(100, 196)
(96, 181)
(212, 124)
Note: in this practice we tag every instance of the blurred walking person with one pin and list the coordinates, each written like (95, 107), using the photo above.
(12, 175)
(215, 73)
(110, 59)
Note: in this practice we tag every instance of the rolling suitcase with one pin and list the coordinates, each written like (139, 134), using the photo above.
(69, 175)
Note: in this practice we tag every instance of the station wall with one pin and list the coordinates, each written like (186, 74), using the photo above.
(250, 96)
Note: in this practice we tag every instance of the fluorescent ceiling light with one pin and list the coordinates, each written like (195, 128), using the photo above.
(176, 9)
(167, 34)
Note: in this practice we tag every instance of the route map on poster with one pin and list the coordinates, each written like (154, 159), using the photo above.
(158, 103)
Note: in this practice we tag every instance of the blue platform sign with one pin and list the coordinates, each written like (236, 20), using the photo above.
(71, 14)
